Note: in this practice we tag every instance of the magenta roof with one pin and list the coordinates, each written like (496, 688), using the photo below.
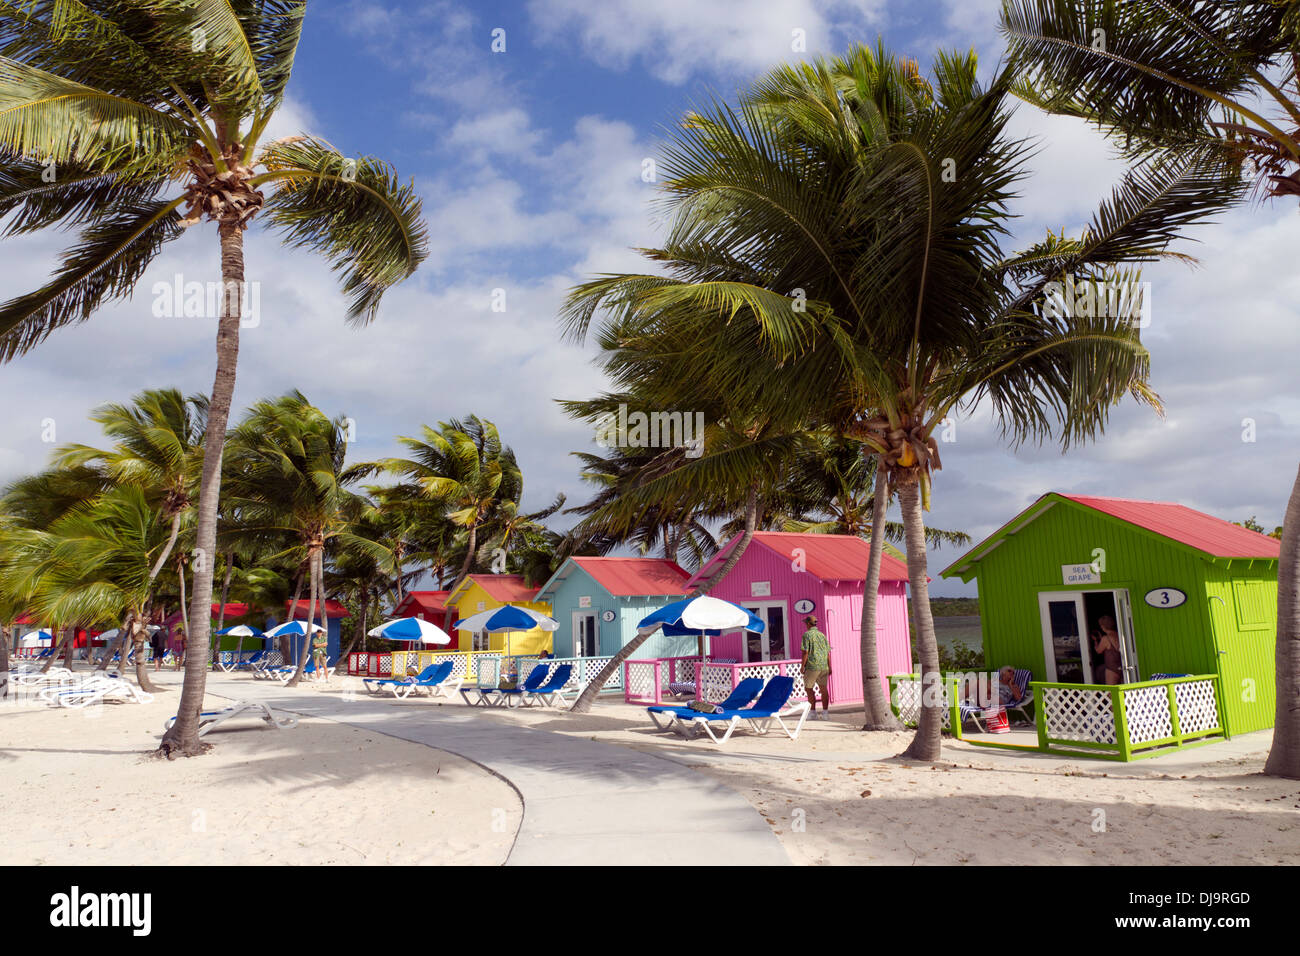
(831, 557)
(1214, 536)
(627, 577)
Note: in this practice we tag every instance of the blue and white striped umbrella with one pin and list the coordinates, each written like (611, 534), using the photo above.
(507, 618)
(242, 630)
(699, 616)
(297, 628)
(411, 629)
(35, 639)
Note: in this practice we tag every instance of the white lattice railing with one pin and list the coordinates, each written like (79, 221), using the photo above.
(1077, 714)
(645, 681)
(906, 699)
(1125, 721)
(584, 670)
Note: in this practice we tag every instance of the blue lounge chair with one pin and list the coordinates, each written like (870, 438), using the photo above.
(769, 707)
(433, 680)
(536, 677)
(553, 686)
(741, 696)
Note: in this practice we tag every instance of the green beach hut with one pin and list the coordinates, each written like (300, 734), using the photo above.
(1180, 592)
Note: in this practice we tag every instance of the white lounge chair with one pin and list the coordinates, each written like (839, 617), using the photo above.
(209, 719)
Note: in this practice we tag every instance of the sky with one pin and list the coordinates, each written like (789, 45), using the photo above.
(529, 160)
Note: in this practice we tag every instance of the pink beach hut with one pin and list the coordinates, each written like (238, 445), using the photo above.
(783, 577)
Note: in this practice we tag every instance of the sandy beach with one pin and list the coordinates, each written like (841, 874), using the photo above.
(81, 788)
(325, 792)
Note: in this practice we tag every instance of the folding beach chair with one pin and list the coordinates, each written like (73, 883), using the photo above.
(435, 680)
(769, 708)
(741, 696)
(535, 679)
(551, 688)
(209, 719)
(487, 674)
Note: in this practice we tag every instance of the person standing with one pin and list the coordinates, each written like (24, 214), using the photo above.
(319, 649)
(816, 663)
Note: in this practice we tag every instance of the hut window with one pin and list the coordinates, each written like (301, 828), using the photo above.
(1254, 606)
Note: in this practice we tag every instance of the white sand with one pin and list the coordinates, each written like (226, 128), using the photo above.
(326, 793)
(79, 788)
(858, 804)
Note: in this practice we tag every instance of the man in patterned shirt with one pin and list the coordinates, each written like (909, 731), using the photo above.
(817, 666)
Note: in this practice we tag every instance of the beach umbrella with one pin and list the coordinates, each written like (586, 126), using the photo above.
(242, 630)
(411, 629)
(295, 628)
(112, 635)
(509, 619)
(35, 639)
(701, 617)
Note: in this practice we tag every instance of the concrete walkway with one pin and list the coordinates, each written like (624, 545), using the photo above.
(585, 802)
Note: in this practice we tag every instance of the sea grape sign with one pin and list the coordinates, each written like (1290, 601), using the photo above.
(1079, 574)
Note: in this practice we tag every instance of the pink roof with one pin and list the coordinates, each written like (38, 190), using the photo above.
(625, 577)
(1214, 536)
(505, 587)
(831, 557)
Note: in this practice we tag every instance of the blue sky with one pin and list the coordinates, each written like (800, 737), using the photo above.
(530, 163)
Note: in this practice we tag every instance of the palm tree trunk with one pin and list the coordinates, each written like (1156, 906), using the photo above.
(58, 645)
(141, 667)
(283, 639)
(4, 661)
(471, 544)
(877, 715)
(361, 631)
(180, 574)
(588, 696)
(167, 548)
(928, 742)
(1284, 754)
(221, 612)
(184, 734)
(305, 652)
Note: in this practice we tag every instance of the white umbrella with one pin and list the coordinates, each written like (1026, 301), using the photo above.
(411, 629)
(35, 639)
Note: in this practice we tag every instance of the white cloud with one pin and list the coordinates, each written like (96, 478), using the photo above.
(675, 39)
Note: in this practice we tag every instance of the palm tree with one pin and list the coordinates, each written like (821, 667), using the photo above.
(158, 447)
(132, 121)
(835, 257)
(1178, 79)
(287, 478)
(92, 565)
(464, 468)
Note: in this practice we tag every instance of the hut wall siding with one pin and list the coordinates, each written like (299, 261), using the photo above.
(838, 606)
(1230, 607)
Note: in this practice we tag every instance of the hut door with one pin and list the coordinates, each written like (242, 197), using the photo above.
(1063, 637)
(771, 645)
(584, 635)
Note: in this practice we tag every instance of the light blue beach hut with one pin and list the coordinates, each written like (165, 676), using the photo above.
(599, 601)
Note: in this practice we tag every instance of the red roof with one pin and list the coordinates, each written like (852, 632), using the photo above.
(1214, 536)
(332, 609)
(233, 609)
(625, 577)
(505, 587)
(422, 602)
(831, 557)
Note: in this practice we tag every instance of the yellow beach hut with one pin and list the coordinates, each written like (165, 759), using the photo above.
(484, 592)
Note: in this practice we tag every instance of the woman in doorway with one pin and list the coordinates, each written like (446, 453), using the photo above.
(1105, 641)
